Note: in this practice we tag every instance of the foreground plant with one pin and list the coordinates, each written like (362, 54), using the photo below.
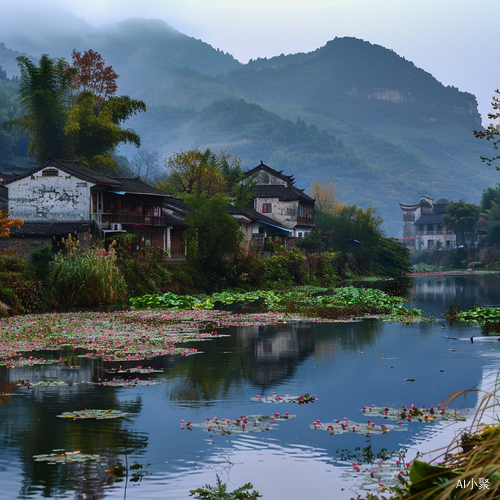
(219, 492)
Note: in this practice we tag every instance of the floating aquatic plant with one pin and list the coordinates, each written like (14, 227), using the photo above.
(97, 414)
(303, 399)
(125, 383)
(343, 426)
(413, 413)
(118, 336)
(67, 457)
(246, 423)
(48, 383)
(138, 369)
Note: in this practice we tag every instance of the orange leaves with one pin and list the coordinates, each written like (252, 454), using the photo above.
(6, 223)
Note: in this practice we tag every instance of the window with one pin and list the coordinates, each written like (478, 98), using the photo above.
(50, 172)
(267, 208)
(300, 235)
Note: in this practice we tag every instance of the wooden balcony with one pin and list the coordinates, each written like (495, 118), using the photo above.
(305, 221)
(105, 220)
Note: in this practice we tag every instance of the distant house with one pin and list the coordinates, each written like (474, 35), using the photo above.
(62, 197)
(423, 227)
(279, 206)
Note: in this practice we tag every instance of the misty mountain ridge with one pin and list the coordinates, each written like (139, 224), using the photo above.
(352, 112)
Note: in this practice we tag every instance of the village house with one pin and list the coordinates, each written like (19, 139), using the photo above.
(279, 206)
(61, 197)
(423, 228)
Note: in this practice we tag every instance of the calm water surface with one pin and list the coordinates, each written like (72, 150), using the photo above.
(347, 365)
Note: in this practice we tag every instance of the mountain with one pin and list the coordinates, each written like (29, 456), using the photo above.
(352, 112)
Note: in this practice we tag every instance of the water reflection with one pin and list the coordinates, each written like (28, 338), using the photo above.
(347, 364)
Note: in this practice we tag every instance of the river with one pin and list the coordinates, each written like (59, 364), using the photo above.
(346, 365)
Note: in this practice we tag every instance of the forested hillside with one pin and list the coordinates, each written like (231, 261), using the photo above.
(351, 112)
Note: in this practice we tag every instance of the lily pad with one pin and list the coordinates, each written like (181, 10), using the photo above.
(302, 399)
(125, 383)
(67, 457)
(413, 413)
(246, 423)
(97, 414)
(344, 426)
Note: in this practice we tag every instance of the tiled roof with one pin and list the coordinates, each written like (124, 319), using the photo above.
(174, 220)
(49, 229)
(284, 193)
(72, 167)
(429, 219)
(134, 185)
(255, 216)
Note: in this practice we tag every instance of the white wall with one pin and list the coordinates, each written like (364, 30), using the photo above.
(37, 198)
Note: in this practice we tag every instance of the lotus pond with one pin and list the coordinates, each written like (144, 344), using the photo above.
(152, 404)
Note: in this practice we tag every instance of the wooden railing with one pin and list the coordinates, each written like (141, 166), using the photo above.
(104, 220)
(305, 221)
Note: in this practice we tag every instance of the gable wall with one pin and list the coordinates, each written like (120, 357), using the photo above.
(266, 179)
(38, 198)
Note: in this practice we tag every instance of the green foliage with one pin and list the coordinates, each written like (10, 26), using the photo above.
(391, 258)
(44, 90)
(490, 196)
(346, 302)
(461, 217)
(219, 492)
(493, 235)
(166, 301)
(40, 262)
(212, 234)
(94, 133)
(87, 277)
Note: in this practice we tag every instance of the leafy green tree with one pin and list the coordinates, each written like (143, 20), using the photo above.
(211, 234)
(205, 173)
(461, 217)
(93, 133)
(44, 92)
(490, 202)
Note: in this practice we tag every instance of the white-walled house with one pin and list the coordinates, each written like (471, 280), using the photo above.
(63, 196)
(280, 201)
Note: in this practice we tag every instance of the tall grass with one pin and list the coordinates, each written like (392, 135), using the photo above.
(472, 457)
(87, 276)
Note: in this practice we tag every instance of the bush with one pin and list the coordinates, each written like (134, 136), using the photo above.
(87, 277)
(40, 263)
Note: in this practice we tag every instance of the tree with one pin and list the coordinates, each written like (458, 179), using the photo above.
(461, 218)
(207, 174)
(88, 73)
(6, 224)
(492, 133)
(44, 92)
(211, 232)
(94, 133)
(145, 163)
(325, 196)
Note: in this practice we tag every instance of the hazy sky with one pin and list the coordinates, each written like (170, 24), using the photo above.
(457, 41)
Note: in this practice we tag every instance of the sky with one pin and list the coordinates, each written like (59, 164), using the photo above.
(456, 41)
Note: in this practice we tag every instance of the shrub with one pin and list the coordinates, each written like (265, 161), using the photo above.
(40, 263)
(87, 277)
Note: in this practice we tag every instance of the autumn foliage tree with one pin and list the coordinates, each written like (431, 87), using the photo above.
(6, 223)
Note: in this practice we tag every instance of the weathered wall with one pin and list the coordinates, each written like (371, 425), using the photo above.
(266, 179)
(284, 212)
(39, 198)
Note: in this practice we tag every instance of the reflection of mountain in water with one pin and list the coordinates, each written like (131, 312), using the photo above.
(276, 351)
